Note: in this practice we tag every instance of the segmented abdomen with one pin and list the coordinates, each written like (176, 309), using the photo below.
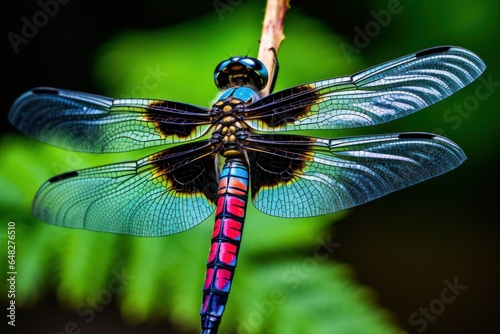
(229, 218)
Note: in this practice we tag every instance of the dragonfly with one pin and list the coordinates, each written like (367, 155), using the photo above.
(216, 158)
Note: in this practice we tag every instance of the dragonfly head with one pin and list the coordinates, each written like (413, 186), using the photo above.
(241, 71)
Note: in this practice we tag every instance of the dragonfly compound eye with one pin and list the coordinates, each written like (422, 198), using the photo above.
(241, 71)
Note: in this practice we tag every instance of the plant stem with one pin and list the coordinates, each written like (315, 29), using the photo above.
(272, 35)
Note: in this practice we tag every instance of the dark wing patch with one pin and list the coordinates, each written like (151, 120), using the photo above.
(302, 97)
(184, 128)
(277, 159)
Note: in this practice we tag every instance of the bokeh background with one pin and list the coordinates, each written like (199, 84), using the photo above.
(385, 262)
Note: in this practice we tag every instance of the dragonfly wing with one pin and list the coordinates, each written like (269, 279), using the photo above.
(165, 193)
(374, 96)
(98, 124)
(294, 176)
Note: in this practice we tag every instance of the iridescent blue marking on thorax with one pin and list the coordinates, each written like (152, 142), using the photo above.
(245, 94)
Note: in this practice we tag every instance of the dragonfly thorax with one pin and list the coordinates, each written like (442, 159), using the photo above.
(228, 135)
(230, 129)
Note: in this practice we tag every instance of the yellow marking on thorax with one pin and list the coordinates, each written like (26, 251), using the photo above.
(231, 153)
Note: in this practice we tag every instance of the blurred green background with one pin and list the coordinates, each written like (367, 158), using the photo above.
(392, 257)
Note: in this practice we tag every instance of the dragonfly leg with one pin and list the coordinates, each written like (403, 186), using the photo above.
(275, 72)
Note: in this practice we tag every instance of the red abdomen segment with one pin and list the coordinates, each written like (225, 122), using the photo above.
(229, 218)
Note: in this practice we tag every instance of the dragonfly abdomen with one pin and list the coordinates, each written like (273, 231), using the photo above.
(229, 218)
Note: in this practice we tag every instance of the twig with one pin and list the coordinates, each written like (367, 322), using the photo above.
(272, 35)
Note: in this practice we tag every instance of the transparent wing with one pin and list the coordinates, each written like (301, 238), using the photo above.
(165, 193)
(377, 95)
(294, 176)
(98, 124)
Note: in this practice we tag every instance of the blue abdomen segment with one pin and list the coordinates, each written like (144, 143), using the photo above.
(232, 199)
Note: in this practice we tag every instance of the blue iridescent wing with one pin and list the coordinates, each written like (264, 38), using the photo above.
(98, 124)
(154, 196)
(294, 176)
(374, 96)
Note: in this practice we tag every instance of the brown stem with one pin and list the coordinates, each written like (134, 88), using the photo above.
(272, 35)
